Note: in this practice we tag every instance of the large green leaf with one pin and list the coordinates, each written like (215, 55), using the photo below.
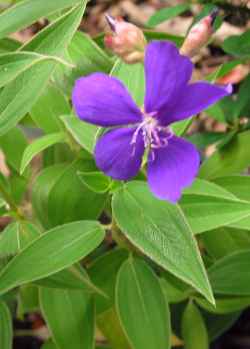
(28, 11)
(18, 97)
(53, 251)
(160, 230)
(15, 63)
(139, 300)
(6, 331)
(231, 274)
(231, 159)
(194, 332)
(39, 145)
(70, 317)
(16, 236)
(209, 212)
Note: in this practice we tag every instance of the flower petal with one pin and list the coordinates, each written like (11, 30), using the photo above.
(102, 100)
(195, 98)
(166, 73)
(173, 168)
(116, 156)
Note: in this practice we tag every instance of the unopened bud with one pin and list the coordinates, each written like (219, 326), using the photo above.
(126, 40)
(199, 35)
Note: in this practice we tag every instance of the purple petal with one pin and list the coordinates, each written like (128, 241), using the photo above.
(195, 98)
(102, 100)
(166, 73)
(173, 168)
(116, 156)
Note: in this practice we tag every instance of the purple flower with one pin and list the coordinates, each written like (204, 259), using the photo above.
(172, 161)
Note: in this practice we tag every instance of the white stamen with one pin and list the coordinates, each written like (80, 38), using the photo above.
(154, 135)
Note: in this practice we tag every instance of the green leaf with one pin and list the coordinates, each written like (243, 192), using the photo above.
(231, 275)
(49, 345)
(28, 300)
(5, 327)
(83, 133)
(167, 13)
(95, 181)
(206, 188)
(132, 75)
(60, 183)
(87, 58)
(49, 107)
(9, 45)
(208, 212)
(236, 185)
(138, 292)
(71, 191)
(70, 317)
(223, 69)
(13, 150)
(53, 251)
(26, 12)
(174, 289)
(238, 45)
(194, 330)
(18, 97)
(103, 272)
(225, 240)
(15, 63)
(109, 325)
(38, 146)
(41, 189)
(160, 230)
(232, 159)
(224, 305)
(73, 278)
(15, 237)
(156, 35)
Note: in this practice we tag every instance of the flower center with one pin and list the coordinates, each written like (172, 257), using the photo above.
(154, 135)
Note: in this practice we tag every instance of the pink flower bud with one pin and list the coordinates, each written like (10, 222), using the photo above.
(199, 35)
(126, 40)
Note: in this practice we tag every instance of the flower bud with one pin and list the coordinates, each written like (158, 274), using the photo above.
(199, 35)
(126, 40)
